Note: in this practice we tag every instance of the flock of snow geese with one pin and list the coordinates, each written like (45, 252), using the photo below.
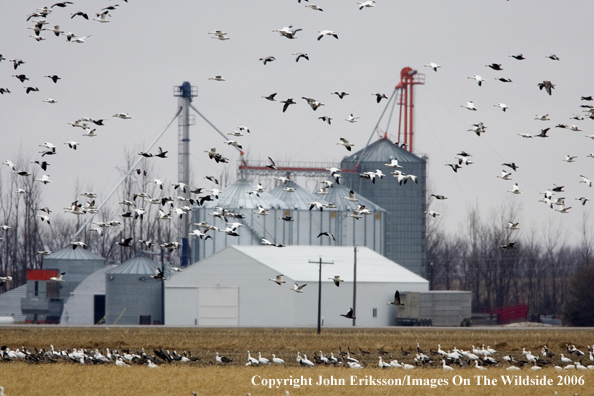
(475, 358)
(463, 158)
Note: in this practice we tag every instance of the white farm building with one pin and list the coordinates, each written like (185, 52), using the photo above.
(232, 288)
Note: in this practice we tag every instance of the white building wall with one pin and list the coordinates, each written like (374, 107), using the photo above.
(262, 303)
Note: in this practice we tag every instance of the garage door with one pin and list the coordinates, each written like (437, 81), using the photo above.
(218, 306)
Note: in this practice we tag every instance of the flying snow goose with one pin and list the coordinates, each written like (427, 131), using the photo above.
(123, 116)
(570, 158)
(505, 175)
(431, 213)
(298, 288)
(80, 40)
(278, 279)
(217, 78)
(393, 164)
(300, 55)
(288, 32)
(515, 189)
(345, 143)
(234, 144)
(267, 59)
(502, 106)
(326, 233)
(72, 144)
(432, 65)
(336, 279)
(583, 200)
(271, 164)
(479, 80)
(322, 33)
(340, 94)
(58, 278)
(470, 106)
(102, 16)
(543, 118)
(553, 57)
(351, 197)
(352, 119)
(512, 226)
(56, 30)
(314, 7)
(44, 179)
(380, 96)
(518, 56)
(363, 4)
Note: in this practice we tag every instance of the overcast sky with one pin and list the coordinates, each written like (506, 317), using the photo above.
(132, 63)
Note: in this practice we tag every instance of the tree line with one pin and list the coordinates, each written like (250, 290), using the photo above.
(503, 266)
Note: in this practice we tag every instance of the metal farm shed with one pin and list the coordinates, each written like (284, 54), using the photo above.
(131, 295)
(45, 299)
(232, 288)
(86, 305)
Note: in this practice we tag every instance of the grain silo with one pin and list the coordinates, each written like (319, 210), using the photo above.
(404, 234)
(131, 295)
(367, 231)
(236, 198)
(306, 224)
(45, 298)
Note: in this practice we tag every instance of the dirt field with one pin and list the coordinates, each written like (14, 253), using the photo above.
(206, 377)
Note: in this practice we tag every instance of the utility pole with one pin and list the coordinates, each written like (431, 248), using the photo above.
(355, 288)
(320, 262)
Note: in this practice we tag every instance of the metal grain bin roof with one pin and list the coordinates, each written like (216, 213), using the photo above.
(140, 265)
(68, 253)
(236, 196)
(382, 150)
(296, 200)
(337, 193)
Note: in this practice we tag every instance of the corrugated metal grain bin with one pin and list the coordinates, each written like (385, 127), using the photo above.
(131, 295)
(441, 308)
(404, 235)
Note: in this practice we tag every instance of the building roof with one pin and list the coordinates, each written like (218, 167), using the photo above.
(140, 265)
(235, 196)
(293, 262)
(379, 151)
(68, 253)
(336, 195)
(297, 200)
